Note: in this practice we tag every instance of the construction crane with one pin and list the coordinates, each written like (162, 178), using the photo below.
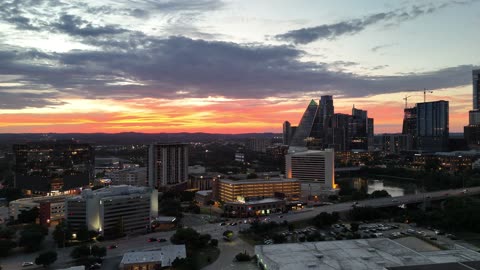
(406, 100)
(425, 94)
(425, 91)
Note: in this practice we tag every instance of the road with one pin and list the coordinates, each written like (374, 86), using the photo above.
(137, 243)
(382, 202)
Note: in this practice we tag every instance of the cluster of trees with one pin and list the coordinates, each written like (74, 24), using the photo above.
(192, 239)
(63, 234)
(32, 236)
(46, 258)
(85, 251)
(458, 214)
(325, 219)
(193, 242)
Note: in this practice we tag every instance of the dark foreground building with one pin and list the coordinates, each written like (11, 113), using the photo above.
(42, 167)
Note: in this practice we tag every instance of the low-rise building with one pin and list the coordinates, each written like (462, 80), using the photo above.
(372, 254)
(230, 190)
(203, 196)
(107, 209)
(51, 208)
(150, 260)
(256, 207)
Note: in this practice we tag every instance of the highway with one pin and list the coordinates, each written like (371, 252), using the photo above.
(383, 202)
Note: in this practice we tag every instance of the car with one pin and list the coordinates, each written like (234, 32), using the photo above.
(452, 237)
(465, 191)
(161, 240)
(233, 224)
(152, 239)
(223, 224)
(95, 266)
(446, 194)
(112, 246)
(394, 200)
(433, 238)
(25, 264)
(280, 216)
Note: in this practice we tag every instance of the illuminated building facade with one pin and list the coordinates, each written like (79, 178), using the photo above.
(103, 210)
(312, 165)
(230, 190)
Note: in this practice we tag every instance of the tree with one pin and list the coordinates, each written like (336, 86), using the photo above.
(98, 252)
(62, 233)
(243, 257)
(184, 264)
(31, 237)
(6, 246)
(214, 242)
(82, 233)
(325, 219)
(28, 216)
(7, 233)
(82, 251)
(46, 258)
(354, 226)
(380, 194)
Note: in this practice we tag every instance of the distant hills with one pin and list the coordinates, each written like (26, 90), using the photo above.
(128, 137)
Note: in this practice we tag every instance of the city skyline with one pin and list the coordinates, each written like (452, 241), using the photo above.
(183, 66)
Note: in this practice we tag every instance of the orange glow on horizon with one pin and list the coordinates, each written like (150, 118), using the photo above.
(213, 115)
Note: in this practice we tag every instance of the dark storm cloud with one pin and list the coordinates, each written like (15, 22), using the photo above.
(157, 68)
(353, 26)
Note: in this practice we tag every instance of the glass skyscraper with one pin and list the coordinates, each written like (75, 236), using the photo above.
(432, 126)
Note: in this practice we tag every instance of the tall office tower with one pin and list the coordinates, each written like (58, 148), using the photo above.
(340, 136)
(432, 126)
(42, 167)
(287, 130)
(359, 129)
(313, 166)
(168, 165)
(305, 126)
(476, 89)
(472, 131)
(323, 119)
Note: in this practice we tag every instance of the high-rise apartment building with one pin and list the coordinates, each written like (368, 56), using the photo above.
(109, 209)
(432, 126)
(42, 167)
(167, 165)
(312, 165)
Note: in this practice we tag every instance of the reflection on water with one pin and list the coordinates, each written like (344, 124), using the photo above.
(374, 185)
(394, 188)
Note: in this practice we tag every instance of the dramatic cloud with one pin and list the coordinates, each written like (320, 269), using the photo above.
(349, 27)
(162, 68)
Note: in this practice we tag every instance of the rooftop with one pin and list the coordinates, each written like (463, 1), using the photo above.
(164, 255)
(362, 254)
(259, 180)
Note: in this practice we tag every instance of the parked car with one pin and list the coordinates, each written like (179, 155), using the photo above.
(25, 264)
(151, 239)
(112, 246)
(161, 240)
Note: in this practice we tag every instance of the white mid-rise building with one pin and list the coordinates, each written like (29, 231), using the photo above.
(106, 209)
(313, 166)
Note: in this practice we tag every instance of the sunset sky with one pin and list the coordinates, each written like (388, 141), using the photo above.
(228, 66)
